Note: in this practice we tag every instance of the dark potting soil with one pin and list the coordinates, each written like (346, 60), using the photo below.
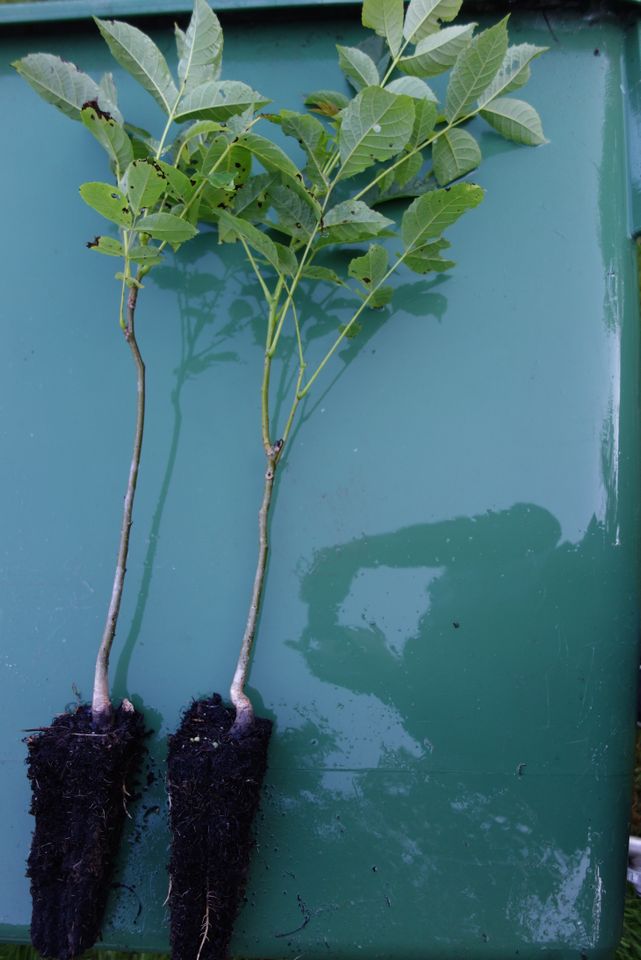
(80, 781)
(214, 790)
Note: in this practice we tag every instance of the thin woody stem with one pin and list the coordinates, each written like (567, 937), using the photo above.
(101, 703)
(244, 709)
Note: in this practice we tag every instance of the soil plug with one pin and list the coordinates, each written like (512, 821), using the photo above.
(389, 141)
(81, 766)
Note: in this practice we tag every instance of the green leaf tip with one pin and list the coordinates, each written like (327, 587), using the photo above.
(62, 84)
(139, 56)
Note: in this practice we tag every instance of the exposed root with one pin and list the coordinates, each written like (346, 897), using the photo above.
(205, 928)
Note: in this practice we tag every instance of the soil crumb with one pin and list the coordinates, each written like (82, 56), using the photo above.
(214, 789)
(81, 781)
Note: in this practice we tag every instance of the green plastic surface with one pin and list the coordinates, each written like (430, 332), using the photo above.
(43, 10)
(449, 639)
(35, 11)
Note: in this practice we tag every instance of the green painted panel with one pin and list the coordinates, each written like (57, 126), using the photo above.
(38, 11)
(44, 10)
(449, 641)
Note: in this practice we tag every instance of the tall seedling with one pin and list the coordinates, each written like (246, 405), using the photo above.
(80, 765)
(391, 140)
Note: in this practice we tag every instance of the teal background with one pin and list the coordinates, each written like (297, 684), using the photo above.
(434, 790)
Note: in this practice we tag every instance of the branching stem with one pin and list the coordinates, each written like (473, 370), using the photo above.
(273, 452)
(101, 702)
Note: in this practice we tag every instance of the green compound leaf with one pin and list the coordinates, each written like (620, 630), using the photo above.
(312, 137)
(438, 52)
(286, 259)
(515, 120)
(143, 143)
(427, 217)
(376, 125)
(201, 128)
(109, 93)
(272, 157)
(166, 226)
(424, 122)
(385, 17)
(295, 217)
(454, 154)
(107, 245)
(371, 267)
(178, 185)
(140, 57)
(219, 158)
(181, 41)
(62, 84)
(370, 270)
(218, 100)
(412, 87)
(475, 70)
(144, 183)
(109, 134)
(352, 222)
(252, 200)
(224, 179)
(427, 258)
(108, 201)
(326, 102)
(359, 69)
(324, 274)
(148, 255)
(231, 228)
(408, 169)
(514, 72)
(201, 48)
(423, 17)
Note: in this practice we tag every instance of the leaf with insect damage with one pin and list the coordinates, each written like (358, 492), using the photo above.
(144, 183)
(109, 134)
(108, 201)
(62, 84)
(352, 222)
(370, 270)
(107, 245)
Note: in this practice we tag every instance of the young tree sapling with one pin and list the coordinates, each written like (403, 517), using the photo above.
(391, 141)
(80, 766)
